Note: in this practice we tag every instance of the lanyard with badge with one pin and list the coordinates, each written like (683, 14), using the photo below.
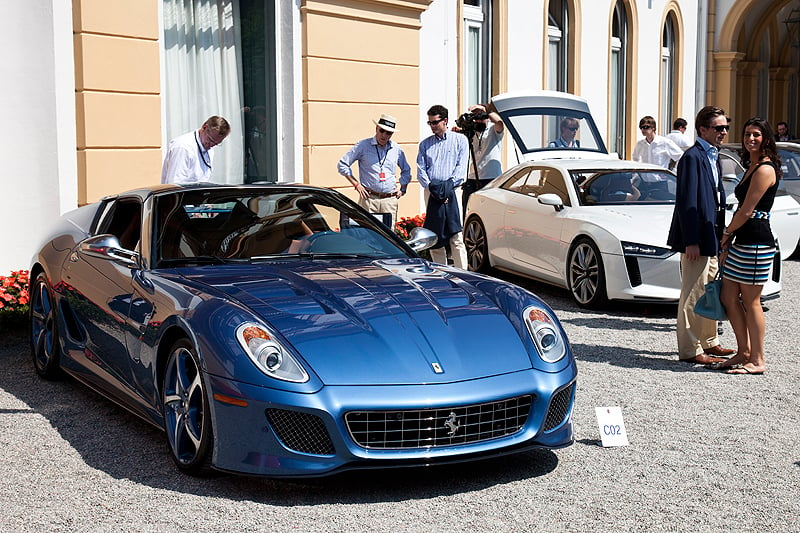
(204, 155)
(382, 175)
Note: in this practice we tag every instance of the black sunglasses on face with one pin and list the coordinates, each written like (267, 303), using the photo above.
(381, 130)
(434, 122)
(645, 127)
(720, 129)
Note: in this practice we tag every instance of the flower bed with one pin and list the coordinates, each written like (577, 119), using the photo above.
(406, 224)
(14, 300)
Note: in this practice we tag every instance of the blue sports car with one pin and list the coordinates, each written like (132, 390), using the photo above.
(283, 331)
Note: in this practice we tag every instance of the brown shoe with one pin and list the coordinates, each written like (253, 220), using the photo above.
(719, 351)
(703, 359)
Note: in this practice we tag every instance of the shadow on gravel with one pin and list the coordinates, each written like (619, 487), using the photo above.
(112, 440)
(638, 359)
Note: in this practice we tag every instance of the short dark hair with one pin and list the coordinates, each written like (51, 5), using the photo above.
(706, 115)
(438, 110)
(679, 123)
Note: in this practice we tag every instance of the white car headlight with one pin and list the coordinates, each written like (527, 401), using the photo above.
(645, 250)
(268, 354)
(545, 333)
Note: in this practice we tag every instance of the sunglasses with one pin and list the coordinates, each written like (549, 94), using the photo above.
(722, 128)
(645, 127)
(571, 129)
(434, 122)
(381, 130)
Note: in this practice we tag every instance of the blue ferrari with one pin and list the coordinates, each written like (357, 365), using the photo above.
(283, 331)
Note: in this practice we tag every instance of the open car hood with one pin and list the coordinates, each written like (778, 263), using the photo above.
(533, 120)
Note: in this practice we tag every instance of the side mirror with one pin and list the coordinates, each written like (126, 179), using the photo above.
(420, 239)
(551, 199)
(107, 246)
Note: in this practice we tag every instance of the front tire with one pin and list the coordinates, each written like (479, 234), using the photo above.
(586, 276)
(45, 348)
(187, 418)
(477, 246)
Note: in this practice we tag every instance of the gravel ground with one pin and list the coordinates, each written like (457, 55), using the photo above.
(708, 452)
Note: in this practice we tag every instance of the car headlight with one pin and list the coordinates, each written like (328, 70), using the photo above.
(645, 250)
(268, 354)
(545, 333)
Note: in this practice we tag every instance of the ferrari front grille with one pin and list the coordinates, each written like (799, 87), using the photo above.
(445, 426)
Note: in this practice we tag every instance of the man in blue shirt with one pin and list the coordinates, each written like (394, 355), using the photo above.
(378, 158)
(441, 169)
(695, 232)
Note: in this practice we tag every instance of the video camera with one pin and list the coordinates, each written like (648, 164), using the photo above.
(469, 123)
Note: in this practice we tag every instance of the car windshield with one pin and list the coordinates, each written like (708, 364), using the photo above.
(542, 129)
(218, 226)
(613, 187)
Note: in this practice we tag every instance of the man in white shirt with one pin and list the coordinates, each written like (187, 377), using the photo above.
(190, 156)
(654, 148)
(678, 134)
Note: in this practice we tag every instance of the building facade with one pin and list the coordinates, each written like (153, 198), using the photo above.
(96, 88)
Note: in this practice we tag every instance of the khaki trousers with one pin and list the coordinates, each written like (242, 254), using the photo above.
(695, 333)
(381, 205)
(457, 249)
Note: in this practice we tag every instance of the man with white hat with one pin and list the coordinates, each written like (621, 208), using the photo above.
(378, 159)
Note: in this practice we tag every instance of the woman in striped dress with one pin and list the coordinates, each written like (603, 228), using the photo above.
(749, 247)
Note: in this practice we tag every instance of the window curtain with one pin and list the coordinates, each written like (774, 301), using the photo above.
(202, 76)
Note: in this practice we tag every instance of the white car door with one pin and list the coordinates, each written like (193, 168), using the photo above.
(534, 229)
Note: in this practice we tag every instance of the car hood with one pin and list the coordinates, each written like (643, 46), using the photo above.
(382, 322)
(642, 224)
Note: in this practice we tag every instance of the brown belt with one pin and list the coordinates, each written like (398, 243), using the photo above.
(380, 195)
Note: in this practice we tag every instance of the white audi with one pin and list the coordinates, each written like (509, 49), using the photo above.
(577, 217)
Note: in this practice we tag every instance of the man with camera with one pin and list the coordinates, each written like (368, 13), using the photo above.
(485, 133)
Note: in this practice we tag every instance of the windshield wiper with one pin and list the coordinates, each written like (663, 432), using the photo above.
(199, 260)
(314, 255)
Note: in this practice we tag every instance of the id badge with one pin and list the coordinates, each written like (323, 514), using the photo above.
(382, 176)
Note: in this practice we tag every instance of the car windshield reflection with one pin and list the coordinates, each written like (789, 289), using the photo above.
(214, 227)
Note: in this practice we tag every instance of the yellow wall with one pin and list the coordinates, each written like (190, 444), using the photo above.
(360, 59)
(117, 84)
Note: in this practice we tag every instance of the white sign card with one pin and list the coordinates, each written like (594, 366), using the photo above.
(612, 427)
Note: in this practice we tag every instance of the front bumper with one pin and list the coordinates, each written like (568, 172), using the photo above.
(249, 438)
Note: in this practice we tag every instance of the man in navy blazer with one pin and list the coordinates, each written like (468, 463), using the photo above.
(696, 230)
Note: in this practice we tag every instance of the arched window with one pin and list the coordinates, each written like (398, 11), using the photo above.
(477, 50)
(619, 75)
(557, 42)
(668, 75)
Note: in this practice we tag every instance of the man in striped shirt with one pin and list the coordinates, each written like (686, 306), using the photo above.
(442, 168)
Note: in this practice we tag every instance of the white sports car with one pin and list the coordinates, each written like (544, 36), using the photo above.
(577, 217)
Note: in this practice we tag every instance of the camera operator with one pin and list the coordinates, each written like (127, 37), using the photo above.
(485, 133)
